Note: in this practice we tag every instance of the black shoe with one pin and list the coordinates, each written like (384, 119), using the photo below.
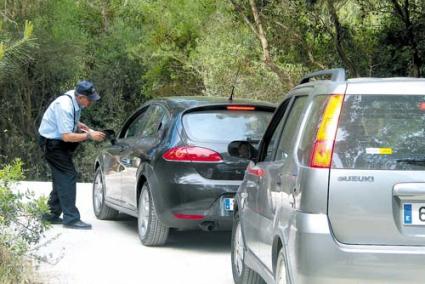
(78, 225)
(52, 219)
(55, 221)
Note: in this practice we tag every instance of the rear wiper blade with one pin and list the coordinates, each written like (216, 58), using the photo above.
(412, 161)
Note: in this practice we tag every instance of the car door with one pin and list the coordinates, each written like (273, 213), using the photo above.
(255, 180)
(113, 157)
(112, 168)
(281, 175)
(138, 152)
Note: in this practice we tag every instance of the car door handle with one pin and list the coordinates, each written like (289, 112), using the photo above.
(409, 189)
(250, 185)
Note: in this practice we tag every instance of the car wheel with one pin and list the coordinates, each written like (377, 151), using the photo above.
(152, 232)
(281, 270)
(241, 273)
(101, 210)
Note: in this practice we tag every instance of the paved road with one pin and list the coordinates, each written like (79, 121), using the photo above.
(112, 252)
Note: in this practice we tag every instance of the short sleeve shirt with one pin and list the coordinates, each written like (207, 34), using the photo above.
(62, 116)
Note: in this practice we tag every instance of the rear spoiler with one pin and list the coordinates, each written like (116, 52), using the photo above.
(337, 75)
(232, 107)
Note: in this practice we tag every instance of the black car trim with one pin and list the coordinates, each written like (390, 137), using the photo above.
(279, 114)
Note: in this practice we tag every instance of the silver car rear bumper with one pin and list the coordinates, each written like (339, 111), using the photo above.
(316, 257)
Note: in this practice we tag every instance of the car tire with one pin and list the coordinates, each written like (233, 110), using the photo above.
(282, 276)
(152, 232)
(242, 274)
(100, 209)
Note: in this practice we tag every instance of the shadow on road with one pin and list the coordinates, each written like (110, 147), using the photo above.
(218, 241)
(199, 240)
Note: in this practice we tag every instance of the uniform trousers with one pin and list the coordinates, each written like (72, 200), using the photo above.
(58, 155)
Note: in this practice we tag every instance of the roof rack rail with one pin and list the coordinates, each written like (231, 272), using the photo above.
(337, 75)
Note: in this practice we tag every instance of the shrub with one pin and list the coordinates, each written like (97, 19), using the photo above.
(21, 226)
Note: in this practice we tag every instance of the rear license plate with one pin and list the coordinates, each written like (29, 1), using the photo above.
(414, 214)
(228, 204)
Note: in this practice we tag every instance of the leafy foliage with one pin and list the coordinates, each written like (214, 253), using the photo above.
(135, 50)
(21, 224)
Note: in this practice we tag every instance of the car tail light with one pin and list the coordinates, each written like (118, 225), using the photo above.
(192, 154)
(321, 156)
(189, 216)
(240, 108)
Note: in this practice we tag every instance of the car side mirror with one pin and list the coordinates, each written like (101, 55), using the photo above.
(243, 150)
(110, 135)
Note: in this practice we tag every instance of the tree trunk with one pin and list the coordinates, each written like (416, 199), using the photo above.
(404, 14)
(258, 30)
(339, 38)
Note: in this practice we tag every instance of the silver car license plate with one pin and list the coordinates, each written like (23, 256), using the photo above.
(228, 204)
(414, 214)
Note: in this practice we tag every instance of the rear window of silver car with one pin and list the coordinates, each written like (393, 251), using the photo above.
(225, 125)
(382, 132)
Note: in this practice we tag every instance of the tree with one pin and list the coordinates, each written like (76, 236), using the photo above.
(257, 27)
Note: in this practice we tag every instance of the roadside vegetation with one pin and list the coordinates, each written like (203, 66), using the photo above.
(21, 227)
(135, 50)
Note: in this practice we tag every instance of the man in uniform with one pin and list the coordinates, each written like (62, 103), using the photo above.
(60, 133)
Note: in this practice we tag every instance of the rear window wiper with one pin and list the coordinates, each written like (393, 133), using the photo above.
(420, 162)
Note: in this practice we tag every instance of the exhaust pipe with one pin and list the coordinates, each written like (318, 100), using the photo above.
(208, 226)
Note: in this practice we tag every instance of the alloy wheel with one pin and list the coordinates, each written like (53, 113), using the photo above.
(98, 193)
(144, 212)
(238, 250)
(282, 277)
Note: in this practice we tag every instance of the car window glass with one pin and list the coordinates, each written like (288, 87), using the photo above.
(291, 128)
(226, 125)
(272, 144)
(381, 132)
(310, 129)
(271, 149)
(153, 121)
(136, 127)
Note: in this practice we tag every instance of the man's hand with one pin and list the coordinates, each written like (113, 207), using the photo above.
(87, 135)
(83, 127)
(97, 136)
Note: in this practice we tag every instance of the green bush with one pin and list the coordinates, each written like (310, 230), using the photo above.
(21, 226)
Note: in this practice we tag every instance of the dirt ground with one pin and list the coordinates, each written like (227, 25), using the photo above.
(112, 252)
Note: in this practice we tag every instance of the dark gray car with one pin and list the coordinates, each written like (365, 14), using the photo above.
(336, 193)
(169, 165)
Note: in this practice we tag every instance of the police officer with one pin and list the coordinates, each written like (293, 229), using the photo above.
(60, 133)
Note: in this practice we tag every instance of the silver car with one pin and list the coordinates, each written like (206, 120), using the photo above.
(336, 191)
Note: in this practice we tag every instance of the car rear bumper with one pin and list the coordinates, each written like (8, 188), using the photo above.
(316, 257)
(189, 201)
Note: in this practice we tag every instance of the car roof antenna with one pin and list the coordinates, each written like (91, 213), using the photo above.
(234, 84)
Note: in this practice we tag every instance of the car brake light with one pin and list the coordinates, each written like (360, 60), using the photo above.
(192, 154)
(321, 156)
(188, 216)
(240, 108)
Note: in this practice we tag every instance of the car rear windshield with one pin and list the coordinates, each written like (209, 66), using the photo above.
(225, 125)
(382, 132)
